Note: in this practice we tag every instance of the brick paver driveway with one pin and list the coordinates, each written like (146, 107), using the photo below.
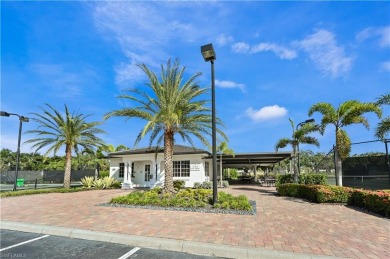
(283, 224)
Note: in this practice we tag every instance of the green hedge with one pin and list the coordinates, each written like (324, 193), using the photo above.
(315, 193)
(303, 179)
(375, 201)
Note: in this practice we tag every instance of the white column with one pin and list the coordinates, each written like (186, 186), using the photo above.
(160, 177)
(153, 174)
(127, 183)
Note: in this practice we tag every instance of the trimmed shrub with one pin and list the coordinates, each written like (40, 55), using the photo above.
(313, 179)
(103, 174)
(190, 198)
(316, 193)
(288, 189)
(178, 185)
(375, 201)
(303, 179)
(284, 178)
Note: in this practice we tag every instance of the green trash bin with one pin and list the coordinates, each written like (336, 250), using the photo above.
(20, 182)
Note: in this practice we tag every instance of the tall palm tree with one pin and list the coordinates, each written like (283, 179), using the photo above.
(170, 106)
(72, 131)
(348, 113)
(383, 127)
(298, 137)
(223, 149)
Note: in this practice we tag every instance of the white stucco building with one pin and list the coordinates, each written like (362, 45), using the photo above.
(144, 168)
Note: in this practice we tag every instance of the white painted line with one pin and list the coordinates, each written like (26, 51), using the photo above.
(128, 254)
(25, 242)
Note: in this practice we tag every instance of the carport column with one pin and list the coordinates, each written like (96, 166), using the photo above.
(127, 184)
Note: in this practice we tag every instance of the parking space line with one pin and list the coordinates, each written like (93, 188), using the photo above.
(25, 242)
(128, 254)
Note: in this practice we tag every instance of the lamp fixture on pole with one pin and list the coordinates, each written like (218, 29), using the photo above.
(208, 54)
(21, 120)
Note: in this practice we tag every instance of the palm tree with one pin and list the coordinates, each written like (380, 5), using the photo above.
(384, 126)
(223, 149)
(170, 107)
(298, 137)
(348, 113)
(109, 149)
(71, 131)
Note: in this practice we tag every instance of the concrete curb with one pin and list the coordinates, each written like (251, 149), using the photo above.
(190, 247)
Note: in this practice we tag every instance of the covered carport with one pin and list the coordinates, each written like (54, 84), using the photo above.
(252, 161)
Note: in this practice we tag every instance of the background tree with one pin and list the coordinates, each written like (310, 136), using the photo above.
(298, 137)
(348, 113)
(106, 149)
(170, 107)
(223, 149)
(383, 127)
(72, 131)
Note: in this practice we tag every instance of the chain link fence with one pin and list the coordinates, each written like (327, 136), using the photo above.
(50, 176)
(370, 170)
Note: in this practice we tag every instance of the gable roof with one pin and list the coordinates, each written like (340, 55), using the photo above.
(177, 150)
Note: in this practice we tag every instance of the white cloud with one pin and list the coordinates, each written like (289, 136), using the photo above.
(385, 66)
(382, 32)
(229, 84)
(147, 32)
(223, 40)
(280, 51)
(266, 113)
(323, 50)
(240, 47)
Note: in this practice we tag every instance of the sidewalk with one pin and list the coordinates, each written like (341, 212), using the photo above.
(283, 227)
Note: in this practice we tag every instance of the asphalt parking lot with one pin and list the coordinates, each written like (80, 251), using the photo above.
(15, 244)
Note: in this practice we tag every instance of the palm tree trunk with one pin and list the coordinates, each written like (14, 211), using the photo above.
(338, 165)
(168, 155)
(295, 169)
(68, 166)
(220, 170)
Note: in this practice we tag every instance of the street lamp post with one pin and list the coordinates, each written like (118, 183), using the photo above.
(301, 124)
(21, 120)
(208, 54)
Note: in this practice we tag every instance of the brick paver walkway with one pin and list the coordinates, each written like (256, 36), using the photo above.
(283, 224)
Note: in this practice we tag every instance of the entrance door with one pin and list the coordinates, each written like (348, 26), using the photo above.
(147, 173)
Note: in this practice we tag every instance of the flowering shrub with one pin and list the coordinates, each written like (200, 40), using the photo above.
(375, 201)
(315, 193)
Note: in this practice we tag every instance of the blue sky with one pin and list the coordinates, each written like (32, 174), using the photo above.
(274, 60)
